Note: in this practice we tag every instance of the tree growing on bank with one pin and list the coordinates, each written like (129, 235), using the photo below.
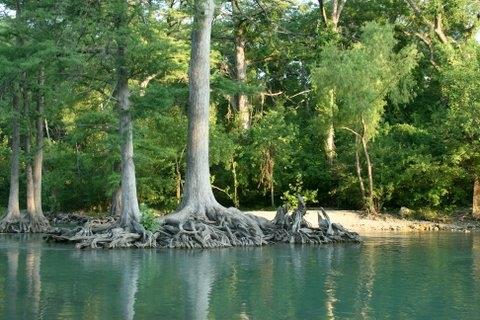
(198, 204)
(357, 82)
(200, 221)
(25, 74)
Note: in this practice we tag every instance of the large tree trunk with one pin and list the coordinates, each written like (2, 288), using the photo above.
(38, 160)
(476, 199)
(37, 221)
(13, 211)
(130, 216)
(198, 194)
(28, 163)
(241, 100)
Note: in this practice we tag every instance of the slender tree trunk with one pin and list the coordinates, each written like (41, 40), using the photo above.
(236, 200)
(178, 181)
(476, 199)
(13, 199)
(330, 145)
(272, 195)
(130, 217)
(38, 161)
(358, 166)
(198, 194)
(28, 167)
(370, 197)
(241, 100)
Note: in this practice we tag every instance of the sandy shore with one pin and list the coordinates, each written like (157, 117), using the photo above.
(352, 220)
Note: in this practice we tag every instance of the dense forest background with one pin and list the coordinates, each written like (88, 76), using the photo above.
(371, 104)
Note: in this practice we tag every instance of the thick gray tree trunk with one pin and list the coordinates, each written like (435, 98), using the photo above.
(130, 216)
(30, 197)
(198, 195)
(38, 160)
(476, 199)
(13, 212)
(241, 100)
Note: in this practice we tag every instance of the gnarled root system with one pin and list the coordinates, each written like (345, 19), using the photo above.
(23, 224)
(13, 224)
(209, 227)
(104, 234)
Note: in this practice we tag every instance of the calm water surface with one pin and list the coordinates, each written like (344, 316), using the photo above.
(427, 276)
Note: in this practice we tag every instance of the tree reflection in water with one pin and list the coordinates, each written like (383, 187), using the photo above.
(198, 280)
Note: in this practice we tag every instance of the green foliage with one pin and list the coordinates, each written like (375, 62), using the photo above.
(149, 218)
(291, 195)
(383, 74)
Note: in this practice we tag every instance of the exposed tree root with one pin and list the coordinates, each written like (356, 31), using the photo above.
(23, 224)
(104, 234)
(215, 226)
(37, 224)
(209, 227)
(13, 224)
(67, 218)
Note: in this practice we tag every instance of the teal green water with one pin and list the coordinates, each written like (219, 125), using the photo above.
(427, 276)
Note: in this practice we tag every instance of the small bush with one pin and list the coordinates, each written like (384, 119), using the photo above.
(149, 218)
(290, 196)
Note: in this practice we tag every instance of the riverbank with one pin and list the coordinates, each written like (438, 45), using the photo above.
(355, 221)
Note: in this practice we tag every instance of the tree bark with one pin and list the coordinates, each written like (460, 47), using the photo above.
(116, 208)
(272, 195)
(13, 199)
(38, 161)
(330, 144)
(198, 191)
(476, 198)
(28, 163)
(241, 100)
(358, 166)
(370, 198)
(337, 8)
(130, 216)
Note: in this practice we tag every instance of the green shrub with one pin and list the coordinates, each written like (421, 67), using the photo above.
(149, 218)
(290, 196)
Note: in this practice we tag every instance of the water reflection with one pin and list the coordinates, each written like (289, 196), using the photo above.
(427, 276)
(12, 284)
(330, 284)
(198, 280)
(129, 287)
(366, 279)
(34, 281)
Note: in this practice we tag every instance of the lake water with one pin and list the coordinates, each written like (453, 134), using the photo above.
(390, 276)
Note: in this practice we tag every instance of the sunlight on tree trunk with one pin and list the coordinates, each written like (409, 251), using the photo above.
(241, 100)
(30, 197)
(476, 199)
(12, 220)
(130, 217)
